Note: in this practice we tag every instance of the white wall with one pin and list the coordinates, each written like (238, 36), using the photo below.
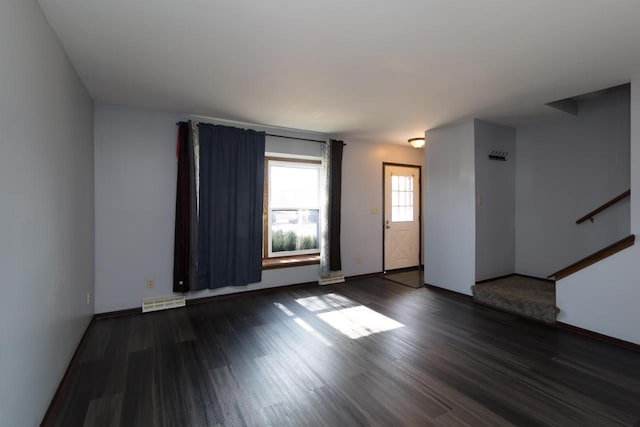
(46, 214)
(495, 201)
(604, 296)
(634, 155)
(449, 220)
(135, 167)
(135, 187)
(564, 169)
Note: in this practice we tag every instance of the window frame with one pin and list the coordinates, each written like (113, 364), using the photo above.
(289, 258)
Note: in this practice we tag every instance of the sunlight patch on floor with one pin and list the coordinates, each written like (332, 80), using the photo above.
(347, 316)
(284, 309)
(326, 302)
(304, 325)
(357, 322)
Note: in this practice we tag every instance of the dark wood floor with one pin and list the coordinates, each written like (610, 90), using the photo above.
(413, 277)
(275, 359)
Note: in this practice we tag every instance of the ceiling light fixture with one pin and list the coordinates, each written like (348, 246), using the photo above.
(417, 142)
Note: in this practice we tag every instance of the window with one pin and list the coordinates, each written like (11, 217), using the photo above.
(401, 198)
(292, 195)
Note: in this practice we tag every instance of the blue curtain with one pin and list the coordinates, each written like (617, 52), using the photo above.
(231, 189)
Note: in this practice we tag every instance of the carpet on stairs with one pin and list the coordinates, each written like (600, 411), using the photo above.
(521, 295)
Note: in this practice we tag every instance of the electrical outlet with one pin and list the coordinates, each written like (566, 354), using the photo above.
(88, 298)
(358, 260)
(151, 283)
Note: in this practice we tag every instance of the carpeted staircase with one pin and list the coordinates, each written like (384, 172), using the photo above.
(521, 295)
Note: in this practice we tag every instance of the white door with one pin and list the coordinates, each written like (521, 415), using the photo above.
(401, 217)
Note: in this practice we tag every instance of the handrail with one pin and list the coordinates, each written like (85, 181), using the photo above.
(604, 206)
(594, 257)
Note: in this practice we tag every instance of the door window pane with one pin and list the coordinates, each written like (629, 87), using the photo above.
(401, 198)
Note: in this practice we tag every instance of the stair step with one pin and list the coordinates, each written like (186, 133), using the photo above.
(520, 295)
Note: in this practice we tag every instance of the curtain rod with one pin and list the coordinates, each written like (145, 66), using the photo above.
(286, 137)
(300, 139)
(293, 137)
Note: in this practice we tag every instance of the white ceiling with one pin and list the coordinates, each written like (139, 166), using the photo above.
(375, 70)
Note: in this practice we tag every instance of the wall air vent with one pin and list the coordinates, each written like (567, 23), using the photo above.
(162, 303)
(331, 280)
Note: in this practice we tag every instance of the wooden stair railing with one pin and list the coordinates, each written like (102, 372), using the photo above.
(594, 257)
(604, 206)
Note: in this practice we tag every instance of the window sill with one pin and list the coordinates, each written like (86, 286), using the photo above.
(290, 261)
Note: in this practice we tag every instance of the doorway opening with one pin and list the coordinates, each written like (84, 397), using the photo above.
(402, 224)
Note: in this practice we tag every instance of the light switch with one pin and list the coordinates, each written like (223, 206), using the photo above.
(374, 210)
